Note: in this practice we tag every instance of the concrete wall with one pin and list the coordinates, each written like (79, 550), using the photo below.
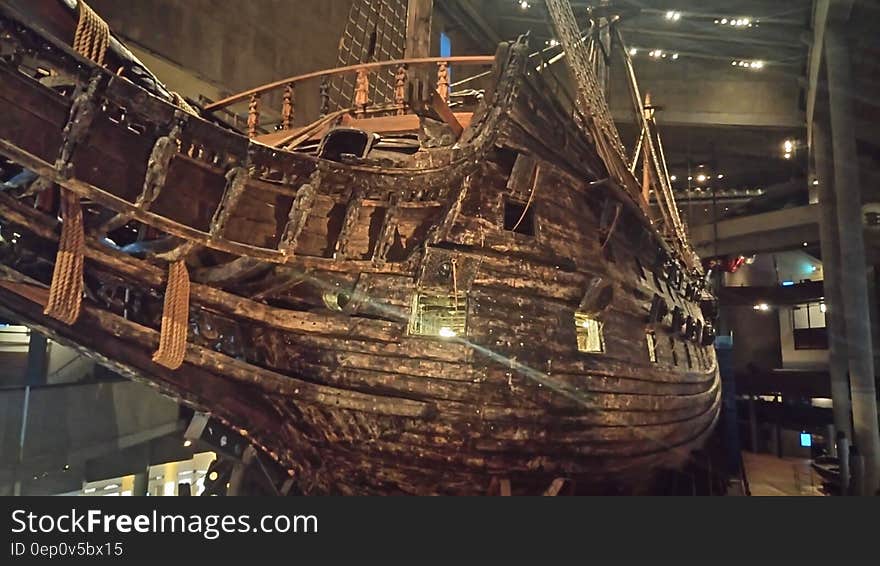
(706, 92)
(755, 338)
(71, 425)
(229, 46)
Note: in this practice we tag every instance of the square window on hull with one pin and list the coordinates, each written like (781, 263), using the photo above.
(519, 217)
(590, 334)
(437, 314)
(652, 347)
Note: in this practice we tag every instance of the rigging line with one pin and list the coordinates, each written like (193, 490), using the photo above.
(664, 197)
(531, 196)
(638, 150)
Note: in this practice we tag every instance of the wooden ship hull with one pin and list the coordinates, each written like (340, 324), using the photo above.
(497, 308)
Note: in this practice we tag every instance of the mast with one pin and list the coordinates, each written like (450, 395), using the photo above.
(418, 28)
(646, 165)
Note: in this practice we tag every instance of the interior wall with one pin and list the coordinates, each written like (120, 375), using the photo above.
(756, 338)
(228, 47)
(797, 359)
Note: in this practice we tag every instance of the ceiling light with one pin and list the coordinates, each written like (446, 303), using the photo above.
(724, 21)
(187, 443)
(633, 51)
(524, 5)
(788, 145)
(672, 15)
(674, 56)
(701, 178)
(761, 307)
(788, 156)
(805, 244)
(674, 178)
(815, 182)
(446, 332)
(721, 176)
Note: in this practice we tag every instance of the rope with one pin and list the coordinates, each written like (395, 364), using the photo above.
(175, 317)
(177, 99)
(92, 35)
(531, 197)
(65, 293)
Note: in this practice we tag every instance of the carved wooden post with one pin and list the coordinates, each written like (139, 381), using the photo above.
(443, 80)
(287, 108)
(253, 115)
(361, 92)
(325, 96)
(400, 90)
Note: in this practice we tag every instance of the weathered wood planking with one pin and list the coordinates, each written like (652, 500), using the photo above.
(299, 328)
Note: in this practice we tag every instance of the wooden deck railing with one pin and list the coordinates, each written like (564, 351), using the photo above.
(360, 96)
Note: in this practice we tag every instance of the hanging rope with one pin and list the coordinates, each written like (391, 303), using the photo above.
(175, 317)
(531, 197)
(92, 34)
(65, 293)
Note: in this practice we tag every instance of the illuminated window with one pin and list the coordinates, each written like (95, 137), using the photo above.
(652, 347)
(443, 315)
(809, 327)
(590, 336)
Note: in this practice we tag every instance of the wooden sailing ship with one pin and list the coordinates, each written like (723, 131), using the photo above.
(423, 292)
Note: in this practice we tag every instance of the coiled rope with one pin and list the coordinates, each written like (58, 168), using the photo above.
(65, 293)
(175, 317)
(92, 34)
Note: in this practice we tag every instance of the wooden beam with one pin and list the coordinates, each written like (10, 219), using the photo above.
(442, 109)
(418, 28)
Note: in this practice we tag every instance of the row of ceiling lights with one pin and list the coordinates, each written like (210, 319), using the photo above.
(756, 65)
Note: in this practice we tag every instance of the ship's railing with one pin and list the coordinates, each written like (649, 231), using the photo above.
(362, 105)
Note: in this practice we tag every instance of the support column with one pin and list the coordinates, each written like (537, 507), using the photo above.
(753, 424)
(854, 288)
(829, 236)
(141, 483)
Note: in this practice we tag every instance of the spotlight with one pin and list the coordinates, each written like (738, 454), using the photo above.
(788, 145)
(187, 443)
(674, 178)
(633, 51)
(701, 178)
(524, 5)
